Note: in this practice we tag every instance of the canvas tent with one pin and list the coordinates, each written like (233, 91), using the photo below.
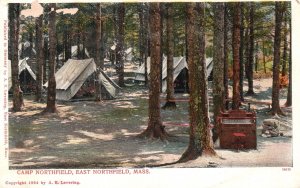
(74, 52)
(26, 49)
(74, 73)
(180, 69)
(25, 73)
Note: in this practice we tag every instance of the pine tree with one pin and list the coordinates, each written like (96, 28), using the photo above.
(40, 57)
(200, 137)
(155, 128)
(218, 56)
(170, 104)
(279, 10)
(14, 23)
(236, 60)
(51, 97)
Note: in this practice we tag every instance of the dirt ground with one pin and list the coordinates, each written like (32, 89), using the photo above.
(88, 134)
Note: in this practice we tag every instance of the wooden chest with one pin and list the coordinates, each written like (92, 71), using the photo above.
(237, 130)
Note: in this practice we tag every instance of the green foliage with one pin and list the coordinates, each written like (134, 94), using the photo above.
(83, 23)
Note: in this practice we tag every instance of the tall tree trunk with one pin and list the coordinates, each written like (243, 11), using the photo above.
(170, 56)
(31, 43)
(264, 57)
(226, 91)
(246, 54)
(46, 46)
(147, 41)
(51, 97)
(218, 57)
(14, 13)
(279, 9)
(200, 134)
(289, 94)
(242, 54)
(236, 59)
(162, 15)
(141, 32)
(251, 51)
(155, 128)
(256, 57)
(40, 58)
(285, 44)
(97, 58)
(120, 44)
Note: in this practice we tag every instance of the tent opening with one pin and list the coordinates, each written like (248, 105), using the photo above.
(27, 83)
(181, 82)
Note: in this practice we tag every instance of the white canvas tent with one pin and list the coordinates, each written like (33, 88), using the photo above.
(22, 67)
(72, 75)
(25, 50)
(179, 64)
(74, 52)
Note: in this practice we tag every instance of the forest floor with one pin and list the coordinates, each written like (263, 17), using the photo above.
(88, 134)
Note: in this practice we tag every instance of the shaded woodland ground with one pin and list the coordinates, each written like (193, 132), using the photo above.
(88, 134)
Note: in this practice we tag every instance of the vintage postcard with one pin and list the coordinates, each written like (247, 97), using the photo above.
(149, 94)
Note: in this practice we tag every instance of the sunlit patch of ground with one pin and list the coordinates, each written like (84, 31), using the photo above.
(86, 134)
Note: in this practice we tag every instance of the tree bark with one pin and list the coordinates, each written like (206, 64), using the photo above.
(251, 51)
(285, 44)
(141, 32)
(14, 13)
(236, 61)
(97, 58)
(256, 57)
(289, 94)
(120, 44)
(155, 128)
(170, 104)
(200, 134)
(218, 69)
(226, 93)
(40, 58)
(279, 9)
(46, 45)
(51, 97)
(242, 53)
(264, 57)
(147, 46)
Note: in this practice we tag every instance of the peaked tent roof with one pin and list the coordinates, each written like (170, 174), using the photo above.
(110, 86)
(22, 66)
(74, 51)
(179, 63)
(71, 76)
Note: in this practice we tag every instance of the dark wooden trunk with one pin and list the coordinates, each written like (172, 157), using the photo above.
(285, 45)
(279, 7)
(14, 13)
(97, 58)
(40, 57)
(289, 94)
(256, 57)
(141, 32)
(236, 59)
(147, 41)
(226, 91)
(46, 44)
(218, 69)
(251, 51)
(120, 44)
(242, 53)
(264, 57)
(170, 104)
(51, 97)
(200, 138)
(155, 128)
